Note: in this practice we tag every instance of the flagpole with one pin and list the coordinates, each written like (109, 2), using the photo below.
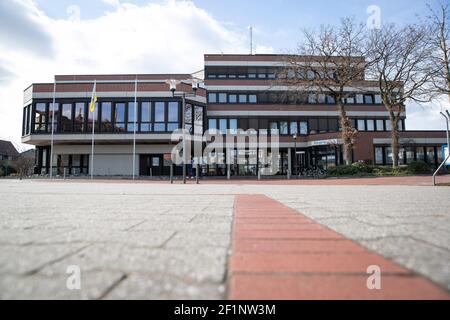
(53, 126)
(93, 130)
(134, 127)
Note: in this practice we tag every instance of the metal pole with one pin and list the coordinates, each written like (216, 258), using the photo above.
(134, 127)
(184, 137)
(197, 173)
(93, 130)
(447, 119)
(53, 126)
(295, 158)
(171, 172)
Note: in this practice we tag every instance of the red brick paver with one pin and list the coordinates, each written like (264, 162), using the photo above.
(281, 254)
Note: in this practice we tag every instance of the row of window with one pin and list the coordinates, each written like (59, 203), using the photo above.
(146, 116)
(241, 73)
(428, 154)
(298, 127)
(289, 98)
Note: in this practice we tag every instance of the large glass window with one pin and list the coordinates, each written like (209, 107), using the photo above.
(79, 116)
(368, 99)
(106, 117)
(53, 110)
(222, 98)
(66, 117)
(370, 125)
(303, 127)
(420, 154)
(212, 97)
(172, 115)
(378, 99)
(233, 126)
(323, 125)
(252, 98)
(359, 99)
(378, 155)
(274, 127)
(380, 125)
(160, 117)
(146, 116)
(232, 98)
(40, 116)
(242, 98)
(119, 117)
(388, 125)
(188, 121)
(294, 127)
(430, 155)
(131, 117)
(388, 155)
(223, 126)
(283, 127)
(92, 118)
(410, 154)
(212, 125)
(361, 125)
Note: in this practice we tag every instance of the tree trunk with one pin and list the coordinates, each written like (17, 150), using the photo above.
(347, 133)
(394, 143)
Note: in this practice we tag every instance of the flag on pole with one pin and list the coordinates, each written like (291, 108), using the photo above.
(93, 99)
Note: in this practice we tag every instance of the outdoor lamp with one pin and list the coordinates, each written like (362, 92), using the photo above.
(172, 85)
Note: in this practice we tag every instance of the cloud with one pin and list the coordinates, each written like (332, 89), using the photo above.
(426, 116)
(20, 28)
(166, 37)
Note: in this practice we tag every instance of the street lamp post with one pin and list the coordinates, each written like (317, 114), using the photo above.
(295, 154)
(173, 86)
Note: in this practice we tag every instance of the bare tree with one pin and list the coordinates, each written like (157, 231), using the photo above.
(439, 38)
(23, 165)
(402, 70)
(329, 62)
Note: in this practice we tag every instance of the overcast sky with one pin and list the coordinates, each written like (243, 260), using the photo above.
(41, 38)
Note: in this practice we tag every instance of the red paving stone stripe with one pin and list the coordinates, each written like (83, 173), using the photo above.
(301, 259)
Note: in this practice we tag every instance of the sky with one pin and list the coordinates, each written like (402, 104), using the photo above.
(41, 38)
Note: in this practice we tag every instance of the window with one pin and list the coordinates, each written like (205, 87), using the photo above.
(388, 125)
(430, 155)
(146, 117)
(321, 98)
(232, 98)
(273, 127)
(40, 116)
(188, 119)
(223, 126)
(350, 100)
(66, 119)
(212, 97)
(313, 126)
(233, 126)
(212, 125)
(312, 98)
(119, 117)
(388, 155)
(378, 99)
(159, 117)
(370, 125)
(323, 125)
(242, 98)
(420, 154)
(361, 125)
(53, 110)
(330, 99)
(79, 116)
(106, 117)
(380, 125)
(333, 125)
(252, 98)
(410, 154)
(172, 116)
(359, 99)
(131, 117)
(92, 118)
(303, 127)
(283, 127)
(400, 125)
(294, 127)
(222, 98)
(378, 155)
(368, 99)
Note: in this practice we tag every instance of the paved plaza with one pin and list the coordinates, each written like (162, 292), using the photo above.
(153, 240)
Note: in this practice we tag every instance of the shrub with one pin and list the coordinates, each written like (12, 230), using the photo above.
(418, 167)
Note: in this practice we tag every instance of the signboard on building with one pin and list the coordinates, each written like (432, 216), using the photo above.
(323, 142)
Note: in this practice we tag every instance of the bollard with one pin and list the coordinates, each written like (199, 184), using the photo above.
(171, 173)
(197, 174)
